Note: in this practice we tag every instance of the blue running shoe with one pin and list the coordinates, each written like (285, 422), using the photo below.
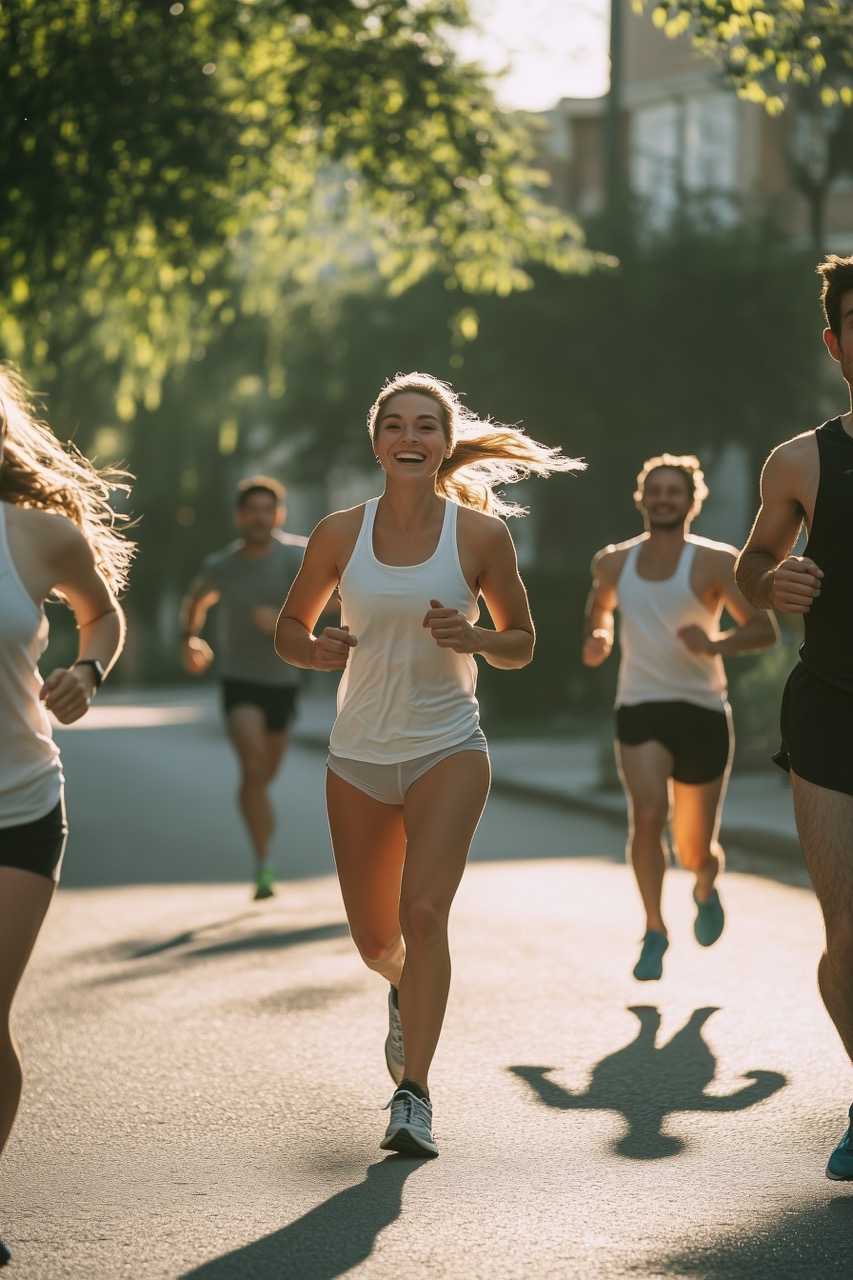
(710, 919)
(649, 967)
(840, 1165)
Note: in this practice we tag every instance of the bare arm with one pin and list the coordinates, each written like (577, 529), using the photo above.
(510, 644)
(310, 597)
(598, 616)
(196, 654)
(767, 574)
(756, 628)
(67, 692)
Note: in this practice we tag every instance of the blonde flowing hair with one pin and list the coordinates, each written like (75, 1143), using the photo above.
(484, 453)
(37, 470)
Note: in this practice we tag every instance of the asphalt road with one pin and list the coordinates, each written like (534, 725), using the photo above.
(205, 1074)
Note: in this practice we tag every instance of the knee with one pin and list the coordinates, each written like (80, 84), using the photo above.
(375, 952)
(648, 818)
(422, 923)
(254, 771)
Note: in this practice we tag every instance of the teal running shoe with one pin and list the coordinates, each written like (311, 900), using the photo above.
(5, 1255)
(264, 881)
(840, 1165)
(710, 919)
(649, 967)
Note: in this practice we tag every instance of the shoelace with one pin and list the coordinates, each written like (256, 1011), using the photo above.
(413, 1108)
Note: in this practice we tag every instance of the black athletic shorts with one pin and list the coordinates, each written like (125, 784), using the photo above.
(36, 846)
(817, 731)
(278, 702)
(698, 739)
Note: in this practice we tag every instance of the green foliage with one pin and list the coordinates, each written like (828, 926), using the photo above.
(766, 47)
(168, 168)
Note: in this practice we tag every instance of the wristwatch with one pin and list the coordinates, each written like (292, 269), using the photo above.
(96, 665)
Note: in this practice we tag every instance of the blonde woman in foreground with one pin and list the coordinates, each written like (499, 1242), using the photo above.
(408, 768)
(58, 538)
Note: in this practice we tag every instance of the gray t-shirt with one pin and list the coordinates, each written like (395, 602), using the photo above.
(244, 651)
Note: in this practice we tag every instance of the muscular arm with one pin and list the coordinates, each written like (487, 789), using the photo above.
(767, 574)
(598, 615)
(756, 628)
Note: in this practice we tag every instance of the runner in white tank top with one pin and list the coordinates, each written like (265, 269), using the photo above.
(673, 725)
(42, 551)
(408, 771)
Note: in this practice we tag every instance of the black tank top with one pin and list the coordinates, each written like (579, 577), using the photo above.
(827, 649)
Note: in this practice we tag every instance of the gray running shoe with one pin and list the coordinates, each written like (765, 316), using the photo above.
(410, 1127)
(394, 1040)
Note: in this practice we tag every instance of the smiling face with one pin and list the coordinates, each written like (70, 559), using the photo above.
(667, 500)
(410, 439)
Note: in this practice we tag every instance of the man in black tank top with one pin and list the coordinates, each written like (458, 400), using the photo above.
(809, 480)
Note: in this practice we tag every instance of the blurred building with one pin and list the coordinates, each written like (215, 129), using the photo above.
(674, 133)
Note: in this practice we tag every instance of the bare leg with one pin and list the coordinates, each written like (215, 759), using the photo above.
(369, 843)
(645, 770)
(441, 813)
(825, 827)
(259, 754)
(24, 900)
(695, 821)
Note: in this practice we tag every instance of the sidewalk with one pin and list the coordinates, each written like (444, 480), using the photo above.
(757, 815)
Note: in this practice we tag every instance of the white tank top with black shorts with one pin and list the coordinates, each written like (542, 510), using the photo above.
(402, 701)
(664, 692)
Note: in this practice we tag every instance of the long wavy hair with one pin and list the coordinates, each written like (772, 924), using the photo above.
(484, 454)
(37, 470)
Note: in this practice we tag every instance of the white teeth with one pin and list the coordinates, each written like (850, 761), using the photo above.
(411, 457)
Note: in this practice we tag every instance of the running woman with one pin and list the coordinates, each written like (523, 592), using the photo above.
(408, 769)
(58, 538)
(673, 723)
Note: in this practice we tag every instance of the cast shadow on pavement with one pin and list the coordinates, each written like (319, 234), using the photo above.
(646, 1083)
(327, 1241)
(809, 1242)
(217, 938)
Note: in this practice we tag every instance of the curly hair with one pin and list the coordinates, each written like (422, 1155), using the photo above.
(689, 467)
(37, 470)
(483, 454)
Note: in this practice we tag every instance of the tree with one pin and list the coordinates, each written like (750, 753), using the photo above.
(767, 47)
(167, 166)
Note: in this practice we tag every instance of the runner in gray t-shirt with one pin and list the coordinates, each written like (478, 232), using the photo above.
(249, 580)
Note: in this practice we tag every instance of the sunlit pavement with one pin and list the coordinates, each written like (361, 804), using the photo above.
(205, 1074)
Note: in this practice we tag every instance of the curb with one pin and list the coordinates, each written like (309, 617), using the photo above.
(750, 839)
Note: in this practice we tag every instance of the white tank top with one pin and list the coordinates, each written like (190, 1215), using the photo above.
(655, 665)
(30, 772)
(401, 696)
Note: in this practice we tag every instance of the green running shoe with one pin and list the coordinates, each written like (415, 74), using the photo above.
(840, 1165)
(710, 919)
(264, 882)
(649, 967)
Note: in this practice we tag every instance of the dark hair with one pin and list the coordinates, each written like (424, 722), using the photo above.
(483, 454)
(837, 275)
(688, 465)
(259, 484)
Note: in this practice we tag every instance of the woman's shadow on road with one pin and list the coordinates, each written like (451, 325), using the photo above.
(645, 1083)
(327, 1241)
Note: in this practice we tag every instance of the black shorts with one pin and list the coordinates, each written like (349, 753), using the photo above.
(817, 731)
(278, 702)
(36, 846)
(698, 739)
